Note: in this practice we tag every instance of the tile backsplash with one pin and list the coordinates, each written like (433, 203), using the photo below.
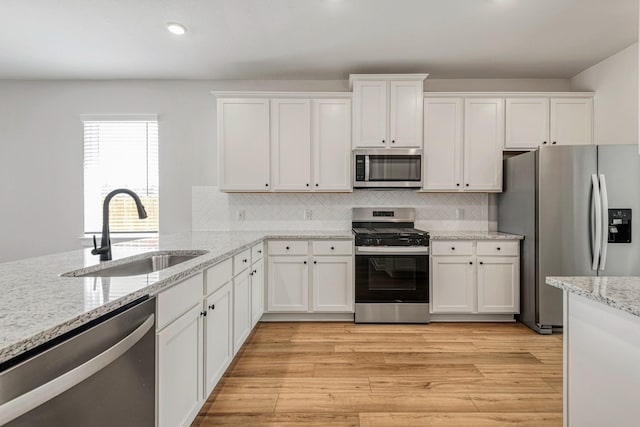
(213, 210)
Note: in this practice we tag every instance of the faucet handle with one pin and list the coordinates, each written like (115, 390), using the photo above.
(95, 245)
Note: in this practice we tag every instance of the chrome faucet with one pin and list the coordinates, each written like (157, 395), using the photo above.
(105, 242)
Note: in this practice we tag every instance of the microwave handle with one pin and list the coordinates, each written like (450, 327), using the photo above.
(366, 168)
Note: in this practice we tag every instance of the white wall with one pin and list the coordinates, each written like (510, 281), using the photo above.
(615, 83)
(41, 209)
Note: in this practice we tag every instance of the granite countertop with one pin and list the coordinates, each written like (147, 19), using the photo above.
(622, 293)
(472, 235)
(38, 304)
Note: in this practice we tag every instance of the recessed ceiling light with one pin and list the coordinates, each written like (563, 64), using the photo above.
(176, 28)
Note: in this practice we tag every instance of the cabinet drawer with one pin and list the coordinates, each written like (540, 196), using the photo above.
(500, 248)
(241, 262)
(452, 247)
(288, 247)
(218, 275)
(332, 247)
(257, 252)
(177, 300)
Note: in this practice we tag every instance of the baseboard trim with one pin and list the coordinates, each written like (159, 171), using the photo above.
(506, 318)
(307, 317)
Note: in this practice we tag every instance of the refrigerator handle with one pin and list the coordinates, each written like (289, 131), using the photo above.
(605, 222)
(596, 222)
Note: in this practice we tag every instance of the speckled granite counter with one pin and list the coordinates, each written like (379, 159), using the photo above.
(38, 305)
(472, 235)
(622, 293)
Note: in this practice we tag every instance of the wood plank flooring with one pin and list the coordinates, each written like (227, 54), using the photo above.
(342, 374)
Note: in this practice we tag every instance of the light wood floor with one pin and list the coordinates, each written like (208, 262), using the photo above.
(342, 374)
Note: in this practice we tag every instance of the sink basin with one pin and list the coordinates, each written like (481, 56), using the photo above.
(148, 263)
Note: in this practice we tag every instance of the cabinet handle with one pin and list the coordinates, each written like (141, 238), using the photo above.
(544, 143)
(554, 142)
(212, 306)
(203, 313)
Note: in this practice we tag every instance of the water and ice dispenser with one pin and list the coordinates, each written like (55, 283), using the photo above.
(619, 225)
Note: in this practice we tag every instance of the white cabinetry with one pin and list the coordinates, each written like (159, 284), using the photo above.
(243, 144)
(326, 288)
(475, 277)
(535, 121)
(218, 335)
(241, 309)
(571, 121)
(257, 291)
(463, 147)
(331, 143)
(387, 110)
(290, 144)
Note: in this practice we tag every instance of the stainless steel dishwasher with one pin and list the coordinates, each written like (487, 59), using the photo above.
(100, 375)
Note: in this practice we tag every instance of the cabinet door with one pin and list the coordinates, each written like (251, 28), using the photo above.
(405, 113)
(288, 284)
(527, 123)
(290, 144)
(442, 167)
(180, 370)
(571, 121)
(241, 310)
(370, 113)
(332, 145)
(257, 292)
(498, 285)
(483, 142)
(218, 332)
(243, 128)
(333, 284)
(453, 284)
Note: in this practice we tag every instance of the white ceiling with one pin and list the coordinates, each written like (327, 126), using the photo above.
(310, 39)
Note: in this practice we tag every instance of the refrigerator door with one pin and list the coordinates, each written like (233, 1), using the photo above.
(620, 165)
(564, 222)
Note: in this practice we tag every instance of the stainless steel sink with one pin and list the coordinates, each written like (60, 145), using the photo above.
(150, 262)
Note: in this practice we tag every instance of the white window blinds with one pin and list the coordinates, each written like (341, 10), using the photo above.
(120, 152)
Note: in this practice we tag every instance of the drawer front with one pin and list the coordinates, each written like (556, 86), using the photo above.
(241, 262)
(257, 252)
(498, 248)
(177, 300)
(452, 247)
(218, 275)
(288, 247)
(332, 247)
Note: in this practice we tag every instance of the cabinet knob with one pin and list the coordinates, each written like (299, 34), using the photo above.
(458, 185)
(467, 185)
(305, 262)
(212, 307)
(244, 260)
(203, 313)
(287, 248)
(255, 271)
(307, 185)
(317, 185)
(554, 142)
(333, 248)
(315, 262)
(266, 185)
(453, 248)
(393, 141)
(260, 251)
(470, 262)
(544, 142)
(383, 141)
(251, 273)
(498, 248)
(481, 263)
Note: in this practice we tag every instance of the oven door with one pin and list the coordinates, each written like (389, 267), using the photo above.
(388, 274)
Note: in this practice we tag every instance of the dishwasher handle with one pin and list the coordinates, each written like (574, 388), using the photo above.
(22, 404)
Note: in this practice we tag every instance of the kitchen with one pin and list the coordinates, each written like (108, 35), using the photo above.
(53, 102)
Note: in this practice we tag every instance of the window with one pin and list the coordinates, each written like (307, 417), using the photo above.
(120, 152)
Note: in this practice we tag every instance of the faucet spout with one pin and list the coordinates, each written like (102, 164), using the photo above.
(105, 243)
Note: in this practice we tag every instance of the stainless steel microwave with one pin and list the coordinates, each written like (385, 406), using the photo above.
(387, 168)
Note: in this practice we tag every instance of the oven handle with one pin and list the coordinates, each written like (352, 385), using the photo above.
(392, 250)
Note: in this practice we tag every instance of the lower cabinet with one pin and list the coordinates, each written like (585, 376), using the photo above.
(332, 284)
(293, 287)
(179, 347)
(241, 309)
(478, 280)
(257, 291)
(218, 335)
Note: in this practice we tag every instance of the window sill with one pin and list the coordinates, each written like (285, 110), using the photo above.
(87, 240)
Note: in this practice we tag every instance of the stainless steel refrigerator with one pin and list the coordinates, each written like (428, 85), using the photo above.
(575, 207)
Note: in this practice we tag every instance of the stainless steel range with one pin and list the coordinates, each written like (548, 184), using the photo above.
(392, 266)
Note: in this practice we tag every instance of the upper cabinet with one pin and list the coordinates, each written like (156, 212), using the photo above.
(243, 144)
(463, 142)
(535, 121)
(387, 110)
(283, 144)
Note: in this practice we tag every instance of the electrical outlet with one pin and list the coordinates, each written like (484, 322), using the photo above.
(459, 213)
(307, 214)
(240, 215)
